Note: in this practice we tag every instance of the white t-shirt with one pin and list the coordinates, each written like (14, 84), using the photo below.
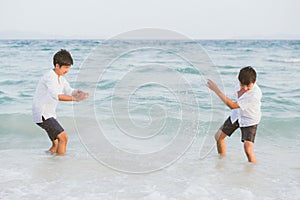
(46, 95)
(249, 113)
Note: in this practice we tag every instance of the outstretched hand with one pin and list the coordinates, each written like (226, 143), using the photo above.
(80, 95)
(212, 85)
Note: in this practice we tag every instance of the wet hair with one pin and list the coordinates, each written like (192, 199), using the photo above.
(247, 75)
(62, 57)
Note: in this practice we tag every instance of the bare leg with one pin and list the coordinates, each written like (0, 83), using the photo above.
(62, 143)
(248, 147)
(221, 144)
(53, 149)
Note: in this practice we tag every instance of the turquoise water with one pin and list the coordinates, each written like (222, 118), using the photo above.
(277, 63)
(26, 172)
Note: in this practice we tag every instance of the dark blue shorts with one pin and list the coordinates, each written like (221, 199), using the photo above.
(52, 127)
(248, 133)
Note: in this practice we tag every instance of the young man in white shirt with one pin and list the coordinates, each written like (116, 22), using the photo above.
(53, 87)
(246, 112)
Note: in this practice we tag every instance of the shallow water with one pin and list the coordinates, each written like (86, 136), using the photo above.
(28, 172)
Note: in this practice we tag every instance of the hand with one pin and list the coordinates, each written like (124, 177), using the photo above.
(211, 85)
(80, 95)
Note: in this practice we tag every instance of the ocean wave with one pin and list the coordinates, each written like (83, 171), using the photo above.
(105, 85)
(228, 67)
(6, 99)
(290, 60)
(17, 123)
(25, 95)
(22, 124)
(188, 70)
(12, 82)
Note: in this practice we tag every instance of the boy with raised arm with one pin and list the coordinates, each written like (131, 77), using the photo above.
(246, 113)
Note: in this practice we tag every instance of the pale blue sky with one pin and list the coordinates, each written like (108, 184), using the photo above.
(198, 19)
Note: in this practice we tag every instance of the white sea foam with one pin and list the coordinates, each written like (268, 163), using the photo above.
(30, 173)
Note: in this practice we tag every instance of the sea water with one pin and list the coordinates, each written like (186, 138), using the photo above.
(109, 159)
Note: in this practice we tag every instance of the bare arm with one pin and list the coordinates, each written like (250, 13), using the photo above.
(231, 104)
(64, 97)
(77, 95)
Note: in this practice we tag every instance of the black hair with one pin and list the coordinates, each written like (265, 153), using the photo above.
(62, 57)
(247, 75)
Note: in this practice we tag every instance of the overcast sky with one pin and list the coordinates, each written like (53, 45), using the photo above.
(198, 19)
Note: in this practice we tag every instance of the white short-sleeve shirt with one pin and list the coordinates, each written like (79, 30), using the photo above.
(46, 95)
(249, 113)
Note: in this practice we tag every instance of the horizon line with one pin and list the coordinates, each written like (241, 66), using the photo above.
(21, 35)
